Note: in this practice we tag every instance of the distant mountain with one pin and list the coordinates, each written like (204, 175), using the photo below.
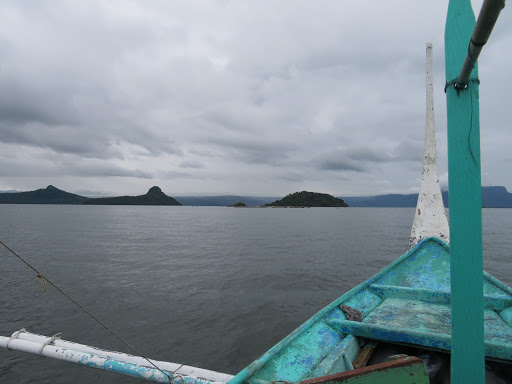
(492, 197)
(393, 200)
(155, 196)
(496, 197)
(309, 199)
(49, 195)
(224, 201)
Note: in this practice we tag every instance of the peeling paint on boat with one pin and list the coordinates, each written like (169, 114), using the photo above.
(406, 302)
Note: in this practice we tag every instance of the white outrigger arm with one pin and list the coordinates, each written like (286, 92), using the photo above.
(111, 361)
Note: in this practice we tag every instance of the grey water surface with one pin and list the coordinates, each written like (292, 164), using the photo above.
(211, 287)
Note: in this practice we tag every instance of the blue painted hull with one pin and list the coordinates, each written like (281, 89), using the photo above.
(408, 302)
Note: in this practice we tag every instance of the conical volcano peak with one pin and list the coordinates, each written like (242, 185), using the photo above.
(155, 191)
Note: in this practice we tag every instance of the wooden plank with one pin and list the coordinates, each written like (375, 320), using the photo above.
(405, 370)
(365, 354)
(467, 363)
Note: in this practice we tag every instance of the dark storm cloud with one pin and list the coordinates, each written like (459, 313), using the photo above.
(293, 177)
(177, 175)
(62, 139)
(66, 92)
(340, 165)
(255, 150)
(364, 158)
(229, 91)
(102, 171)
(368, 154)
(14, 112)
(406, 150)
(338, 161)
(70, 167)
(191, 164)
(409, 150)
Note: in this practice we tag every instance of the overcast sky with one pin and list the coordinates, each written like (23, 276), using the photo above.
(241, 97)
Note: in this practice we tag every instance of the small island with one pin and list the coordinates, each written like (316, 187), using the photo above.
(239, 204)
(155, 196)
(308, 199)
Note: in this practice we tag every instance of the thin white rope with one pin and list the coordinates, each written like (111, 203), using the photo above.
(48, 342)
(15, 336)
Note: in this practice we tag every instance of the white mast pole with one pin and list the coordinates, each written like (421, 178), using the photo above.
(430, 217)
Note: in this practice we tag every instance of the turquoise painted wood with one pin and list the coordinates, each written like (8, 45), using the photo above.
(400, 370)
(406, 302)
(467, 364)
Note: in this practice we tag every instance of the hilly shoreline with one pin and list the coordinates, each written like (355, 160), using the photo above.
(52, 195)
(154, 196)
(492, 197)
(48, 195)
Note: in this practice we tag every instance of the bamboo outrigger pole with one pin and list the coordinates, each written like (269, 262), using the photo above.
(467, 341)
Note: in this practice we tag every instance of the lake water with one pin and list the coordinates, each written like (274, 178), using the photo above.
(211, 287)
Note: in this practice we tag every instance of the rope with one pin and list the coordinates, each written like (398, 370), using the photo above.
(48, 342)
(471, 128)
(15, 336)
(449, 84)
(45, 279)
(454, 83)
(178, 375)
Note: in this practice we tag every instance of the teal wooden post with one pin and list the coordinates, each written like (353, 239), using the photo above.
(468, 355)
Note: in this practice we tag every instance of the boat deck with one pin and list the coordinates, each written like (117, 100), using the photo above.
(410, 303)
(406, 303)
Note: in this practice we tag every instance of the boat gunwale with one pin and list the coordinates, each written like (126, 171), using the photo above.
(320, 315)
(435, 341)
(367, 284)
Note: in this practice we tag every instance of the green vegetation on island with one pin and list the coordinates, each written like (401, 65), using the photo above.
(155, 196)
(239, 204)
(48, 195)
(308, 199)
